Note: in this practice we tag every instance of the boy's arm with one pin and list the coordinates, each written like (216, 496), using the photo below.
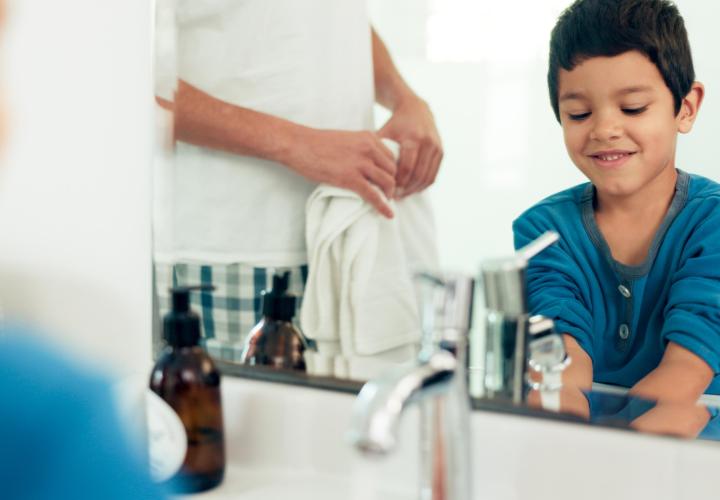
(352, 160)
(576, 378)
(691, 326)
(411, 125)
(579, 373)
(680, 377)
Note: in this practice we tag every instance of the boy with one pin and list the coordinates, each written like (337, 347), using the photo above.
(634, 283)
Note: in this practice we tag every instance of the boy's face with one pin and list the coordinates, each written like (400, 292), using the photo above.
(619, 121)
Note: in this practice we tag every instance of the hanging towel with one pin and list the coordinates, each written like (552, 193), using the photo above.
(360, 303)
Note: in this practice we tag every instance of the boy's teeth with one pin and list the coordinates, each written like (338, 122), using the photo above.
(610, 157)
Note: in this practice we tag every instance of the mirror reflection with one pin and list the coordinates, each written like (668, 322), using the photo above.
(315, 157)
(282, 193)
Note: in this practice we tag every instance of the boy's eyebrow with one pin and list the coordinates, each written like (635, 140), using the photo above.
(634, 89)
(567, 96)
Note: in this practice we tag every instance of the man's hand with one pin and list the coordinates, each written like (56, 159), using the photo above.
(357, 161)
(413, 127)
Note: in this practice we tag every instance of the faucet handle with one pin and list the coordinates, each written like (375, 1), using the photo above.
(503, 278)
(537, 245)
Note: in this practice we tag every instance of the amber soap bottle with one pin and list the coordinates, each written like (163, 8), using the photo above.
(275, 342)
(186, 378)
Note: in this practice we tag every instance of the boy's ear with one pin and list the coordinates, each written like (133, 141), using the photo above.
(690, 107)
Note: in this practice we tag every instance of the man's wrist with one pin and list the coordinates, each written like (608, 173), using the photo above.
(405, 97)
(283, 146)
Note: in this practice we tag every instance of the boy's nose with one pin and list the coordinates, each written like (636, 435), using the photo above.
(606, 127)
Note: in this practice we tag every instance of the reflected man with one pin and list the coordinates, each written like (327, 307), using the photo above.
(273, 98)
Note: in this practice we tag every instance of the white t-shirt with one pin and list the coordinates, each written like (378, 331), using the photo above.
(308, 61)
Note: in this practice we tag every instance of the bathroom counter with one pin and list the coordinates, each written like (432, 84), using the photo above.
(288, 440)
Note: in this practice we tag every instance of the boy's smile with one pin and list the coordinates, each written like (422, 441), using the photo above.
(619, 123)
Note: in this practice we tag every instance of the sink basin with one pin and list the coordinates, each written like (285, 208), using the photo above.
(290, 442)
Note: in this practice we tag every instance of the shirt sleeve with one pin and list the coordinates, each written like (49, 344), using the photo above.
(554, 282)
(692, 313)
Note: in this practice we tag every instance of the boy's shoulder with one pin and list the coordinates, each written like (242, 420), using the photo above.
(564, 204)
(701, 188)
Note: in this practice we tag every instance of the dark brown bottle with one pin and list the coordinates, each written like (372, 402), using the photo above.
(186, 378)
(275, 342)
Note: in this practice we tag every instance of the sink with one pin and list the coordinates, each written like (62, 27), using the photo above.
(290, 442)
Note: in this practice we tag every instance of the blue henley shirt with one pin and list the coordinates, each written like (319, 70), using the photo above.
(624, 316)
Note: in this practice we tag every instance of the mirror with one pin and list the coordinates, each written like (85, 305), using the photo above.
(480, 65)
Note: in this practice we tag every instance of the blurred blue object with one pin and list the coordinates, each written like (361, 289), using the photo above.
(60, 436)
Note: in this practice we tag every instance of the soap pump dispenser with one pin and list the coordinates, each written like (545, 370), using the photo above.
(186, 378)
(275, 342)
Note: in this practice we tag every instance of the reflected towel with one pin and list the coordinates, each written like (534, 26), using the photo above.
(360, 304)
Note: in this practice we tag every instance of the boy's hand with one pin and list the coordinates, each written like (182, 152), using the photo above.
(673, 419)
(413, 127)
(681, 377)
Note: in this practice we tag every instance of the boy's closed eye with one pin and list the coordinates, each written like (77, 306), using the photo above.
(628, 111)
(634, 110)
(578, 117)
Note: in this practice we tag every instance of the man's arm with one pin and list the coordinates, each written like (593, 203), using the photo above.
(681, 377)
(412, 124)
(353, 160)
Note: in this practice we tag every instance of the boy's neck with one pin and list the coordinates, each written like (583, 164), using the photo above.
(654, 198)
(629, 223)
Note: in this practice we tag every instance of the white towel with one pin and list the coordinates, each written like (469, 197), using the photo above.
(360, 304)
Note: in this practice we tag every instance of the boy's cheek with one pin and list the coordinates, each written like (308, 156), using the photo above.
(573, 143)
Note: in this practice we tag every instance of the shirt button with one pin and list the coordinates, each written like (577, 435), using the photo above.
(625, 291)
(624, 331)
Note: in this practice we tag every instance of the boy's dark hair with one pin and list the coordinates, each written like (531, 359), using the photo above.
(591, 28)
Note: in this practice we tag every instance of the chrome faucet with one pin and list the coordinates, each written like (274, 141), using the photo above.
(502, 362)
(437, 382)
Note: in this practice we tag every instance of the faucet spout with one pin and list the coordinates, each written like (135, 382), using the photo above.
(381, 402)
(436, 382)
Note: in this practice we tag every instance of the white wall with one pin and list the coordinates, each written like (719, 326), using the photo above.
(75, 177)
(481, 64)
